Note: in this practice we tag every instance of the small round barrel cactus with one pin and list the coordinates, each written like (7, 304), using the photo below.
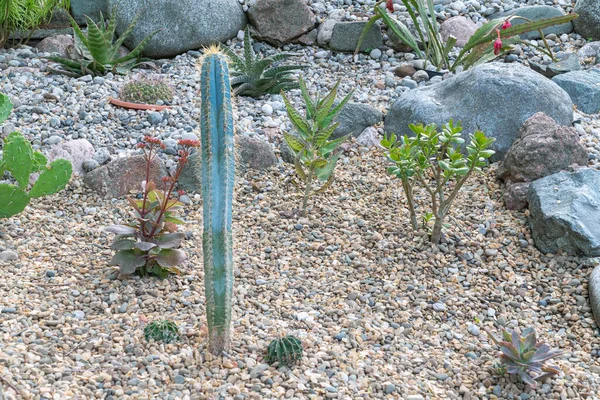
(146, 90)
(286, 351)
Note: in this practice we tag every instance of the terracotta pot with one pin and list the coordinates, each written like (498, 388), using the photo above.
(136, 106)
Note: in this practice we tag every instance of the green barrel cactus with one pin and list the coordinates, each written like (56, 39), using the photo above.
(286, 351)
(19, 159)
(217, 170)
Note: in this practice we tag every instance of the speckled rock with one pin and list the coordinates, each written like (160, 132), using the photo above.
(459, 27)
(281, 21)
(594, 291)
(255, 153)
(583, 87)
(76, 151)
(588, 22)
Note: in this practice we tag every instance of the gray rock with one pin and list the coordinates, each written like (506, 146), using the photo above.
(255, 153)
(355, 118)
(8, 255)
(190, 178)
(515, 196)
(564, 212)
(496, 98)
(568, 63)
(369, 137)
(542, 148)
(583, 87)
(155, 118)
(588, 22)
(286, 153)
(594, 293)
(325, 32)
(459, 27)
(102, 156)
(590, 53)
(439, 307)
(473, 329)
(535, 13)
(280, 21)
(59, 45)
(90, 165)
(186, 24)
(345, 37)
(122, 175)
(9, 310)
(76, 151)
(91, 8)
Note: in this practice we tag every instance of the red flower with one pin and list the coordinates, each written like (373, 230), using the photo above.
(154, 141)
(497, 44)
(189, 143)
(389, 4)
(506, 24)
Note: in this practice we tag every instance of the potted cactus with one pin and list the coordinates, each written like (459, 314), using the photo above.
(143, 93)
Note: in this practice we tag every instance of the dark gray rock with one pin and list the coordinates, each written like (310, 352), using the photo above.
(535, 13)
(355, 118)
(286, 153)
(345, 37)
(568, 63)
(255, 153)
(123, 175)
(190, 178)
(91, 8)
(594, 293)
(583, 87)
(590, 53)
(588, 22)
(186, 24)
(515, 197)
(542, 148)
(281, 21)
(565, 212)
(496, 98)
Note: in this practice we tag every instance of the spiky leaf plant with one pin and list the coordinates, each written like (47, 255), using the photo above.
(19, 159)
(146, 90)
(25, 15)
(217, 171)
(523, 355)
(96, 51)
(315, 155)
(254, 77)
(162, 331)
(286, 351)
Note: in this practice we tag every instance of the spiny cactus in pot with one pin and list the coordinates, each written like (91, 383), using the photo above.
(217, 171)
(146, 90)
(19, 159)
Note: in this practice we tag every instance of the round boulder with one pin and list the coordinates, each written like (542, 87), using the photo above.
(185, 24)
(588, 22)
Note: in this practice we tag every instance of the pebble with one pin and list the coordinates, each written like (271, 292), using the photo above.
(439, 307)
(8, 255)
(473, 330)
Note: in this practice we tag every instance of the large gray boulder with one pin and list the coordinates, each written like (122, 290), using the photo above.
(355, 118)
(496, 98)
(281, 21)
(565, 212)
(185, 24)
(535, 13)
(91, 8)
(594, 293)
(588, 22)
(583, 87)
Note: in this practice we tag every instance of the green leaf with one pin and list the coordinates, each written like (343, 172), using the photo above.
(5, 107)
(96, 44)
(18, 158)
(52, 179)
(39, 161)
(128, 261)
(144, 246)
(123, 244)
(169, 258)
(324, 173)
(13, 200)
(170, 240)
(299, 122)
(293, 142)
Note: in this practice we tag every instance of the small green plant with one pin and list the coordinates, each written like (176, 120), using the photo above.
(19, 159)
(146, 90)
(161, 331)
(254, 77)
(522, 355)
(148, 245)
(25, 15)
(499, 368)
(483, 46)
(315, 155)
(286, 351)
(433, 159)
(97, 53)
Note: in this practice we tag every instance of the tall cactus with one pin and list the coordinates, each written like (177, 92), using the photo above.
(217, 169)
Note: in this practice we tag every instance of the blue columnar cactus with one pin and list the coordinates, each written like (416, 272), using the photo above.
(217, 169)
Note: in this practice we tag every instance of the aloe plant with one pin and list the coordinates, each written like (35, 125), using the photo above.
(217, 170)
(97, 53)
(19, 159)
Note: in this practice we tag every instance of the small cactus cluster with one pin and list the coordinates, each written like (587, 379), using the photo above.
(161, 331)
(147, 90)
(286, 351)
(21, 161)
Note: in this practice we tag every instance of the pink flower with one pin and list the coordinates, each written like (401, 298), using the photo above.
(389, 4)
(497, 44)
(506, 24)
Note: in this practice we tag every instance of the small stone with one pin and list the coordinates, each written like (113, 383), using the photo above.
(8, 255)
(80, 315)
(9, 310)
(375, 54)
(389, 388)
(473, 329)
(180, 380)
(267, 109)
(471, 355)
(50, 273)
(439, 307)
(155, 118)
(123, 308)
(340, 336)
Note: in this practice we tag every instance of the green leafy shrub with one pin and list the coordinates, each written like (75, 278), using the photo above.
(254, 77)
(25, 15)
(523, 355)
(315, 156)
(148, 245)
(19, 159)
(286, 351)
(97, 52)
(481, 47)
(161, 331)
(146, 90)
(433, 160)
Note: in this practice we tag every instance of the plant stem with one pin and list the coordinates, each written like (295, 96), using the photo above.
(436, 234)
(411, 205)
(307, 193)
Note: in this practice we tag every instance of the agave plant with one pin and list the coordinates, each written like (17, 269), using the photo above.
(251, 76)
(522, 355)
(97, 53)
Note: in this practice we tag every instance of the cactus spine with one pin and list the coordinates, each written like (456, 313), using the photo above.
(217, 169)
